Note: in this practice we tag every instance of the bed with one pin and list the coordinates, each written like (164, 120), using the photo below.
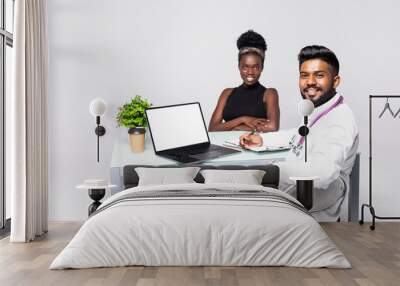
(201, 224)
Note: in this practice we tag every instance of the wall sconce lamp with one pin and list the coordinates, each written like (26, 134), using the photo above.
(305, 108)
(97, 108)
(304, 184)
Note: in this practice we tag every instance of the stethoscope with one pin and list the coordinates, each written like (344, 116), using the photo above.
(295, 148)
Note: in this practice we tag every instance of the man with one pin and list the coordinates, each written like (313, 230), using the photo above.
(333, 139)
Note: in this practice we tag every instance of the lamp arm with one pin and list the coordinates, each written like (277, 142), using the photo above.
(303, 131)
(305, 138)
(305, 150)
(98, 145)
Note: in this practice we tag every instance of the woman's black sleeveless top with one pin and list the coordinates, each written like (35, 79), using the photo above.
(245, 101)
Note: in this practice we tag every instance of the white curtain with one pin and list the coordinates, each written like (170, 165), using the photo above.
(28, 122)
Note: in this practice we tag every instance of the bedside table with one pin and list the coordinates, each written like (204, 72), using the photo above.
(304, 190)
(96, 190)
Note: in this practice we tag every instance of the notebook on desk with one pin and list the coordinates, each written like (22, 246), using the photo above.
(179, 133)
(273, 142)
(259, 149)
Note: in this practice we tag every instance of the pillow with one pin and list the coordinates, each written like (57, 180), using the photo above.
(248, 177)
(166, 176)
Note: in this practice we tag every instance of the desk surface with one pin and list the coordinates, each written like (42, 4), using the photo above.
(122, 154)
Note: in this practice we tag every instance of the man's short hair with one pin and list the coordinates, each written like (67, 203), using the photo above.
(319, 52)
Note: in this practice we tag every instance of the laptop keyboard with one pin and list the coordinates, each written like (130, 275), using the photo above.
(194, 155)
(183, 157)
(211, 154)
(197, 151)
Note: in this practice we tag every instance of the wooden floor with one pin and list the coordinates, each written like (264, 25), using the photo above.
(374, 255)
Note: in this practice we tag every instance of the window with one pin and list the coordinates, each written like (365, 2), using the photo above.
(6, 44)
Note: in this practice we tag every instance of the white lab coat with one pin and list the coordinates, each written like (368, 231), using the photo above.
(332, 146)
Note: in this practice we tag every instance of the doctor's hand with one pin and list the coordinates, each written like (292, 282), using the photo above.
(251, 140)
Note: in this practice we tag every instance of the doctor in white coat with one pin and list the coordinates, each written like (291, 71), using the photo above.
(333, 139)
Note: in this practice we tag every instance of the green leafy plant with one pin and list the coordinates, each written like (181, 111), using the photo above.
(133, 114)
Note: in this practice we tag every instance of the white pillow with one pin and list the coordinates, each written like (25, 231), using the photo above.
(248, 177)
(165, 176)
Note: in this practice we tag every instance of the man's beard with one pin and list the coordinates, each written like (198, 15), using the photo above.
(323, 98)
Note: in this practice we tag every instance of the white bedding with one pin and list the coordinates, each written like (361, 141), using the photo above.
(200, 231)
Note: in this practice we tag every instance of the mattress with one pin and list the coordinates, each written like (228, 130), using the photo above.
(200, 225)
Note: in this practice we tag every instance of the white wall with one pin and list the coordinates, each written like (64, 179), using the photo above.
(180, 51)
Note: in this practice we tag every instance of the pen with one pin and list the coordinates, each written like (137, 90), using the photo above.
(253, 132)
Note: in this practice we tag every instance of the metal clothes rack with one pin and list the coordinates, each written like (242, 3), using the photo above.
(369, 205)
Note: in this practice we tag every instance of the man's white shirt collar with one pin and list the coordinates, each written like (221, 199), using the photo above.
(325, 106)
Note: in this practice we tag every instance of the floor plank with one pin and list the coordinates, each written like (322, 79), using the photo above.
(374, 255)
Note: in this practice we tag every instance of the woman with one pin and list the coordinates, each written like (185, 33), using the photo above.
(250, 106)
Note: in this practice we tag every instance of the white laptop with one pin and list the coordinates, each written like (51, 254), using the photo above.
(179, 132)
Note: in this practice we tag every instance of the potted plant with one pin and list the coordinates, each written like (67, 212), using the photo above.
(132, 115)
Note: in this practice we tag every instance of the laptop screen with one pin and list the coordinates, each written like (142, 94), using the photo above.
(176, 126)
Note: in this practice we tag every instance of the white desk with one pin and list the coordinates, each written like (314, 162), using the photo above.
(122, 155)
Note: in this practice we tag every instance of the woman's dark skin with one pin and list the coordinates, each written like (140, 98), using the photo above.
(250, 67)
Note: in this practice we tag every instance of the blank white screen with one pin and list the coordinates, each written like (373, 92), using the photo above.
(176, 126)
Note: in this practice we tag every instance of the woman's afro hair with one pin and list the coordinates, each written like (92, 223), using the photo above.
(251, 39)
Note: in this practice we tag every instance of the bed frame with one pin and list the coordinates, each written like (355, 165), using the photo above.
(270, 179)
(350, 205)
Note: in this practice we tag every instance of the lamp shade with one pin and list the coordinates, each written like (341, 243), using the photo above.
(97, 107)
(305, 107)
